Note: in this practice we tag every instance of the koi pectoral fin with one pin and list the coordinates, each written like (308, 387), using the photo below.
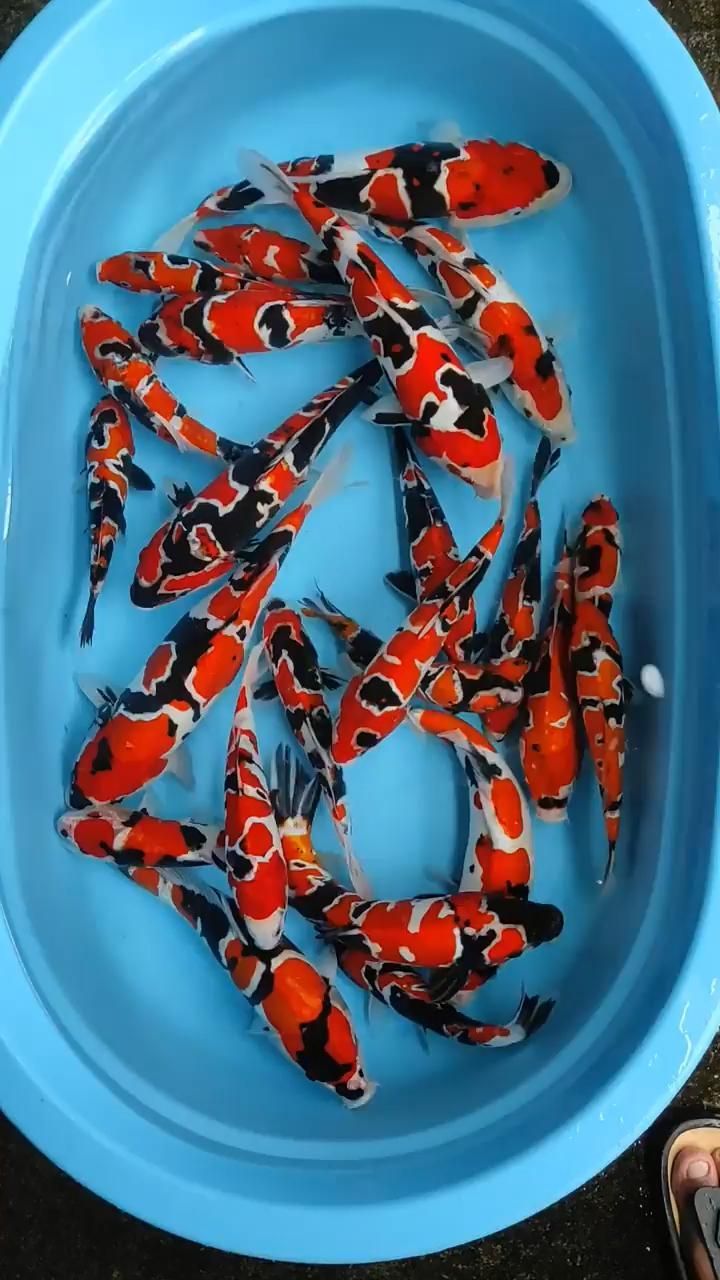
(102, 695)
(179, 766)
(444, 984)
(475, 646)
(490, 373)
(331, 679)
(387, 412)
(266, 691)
(403, 581)
(138, 479)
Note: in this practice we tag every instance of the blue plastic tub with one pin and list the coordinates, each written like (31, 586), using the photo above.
(124, 1053)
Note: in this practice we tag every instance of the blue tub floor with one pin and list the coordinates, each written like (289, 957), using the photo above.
(51, 1228)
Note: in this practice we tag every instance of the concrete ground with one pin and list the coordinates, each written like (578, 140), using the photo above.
(53, 1229)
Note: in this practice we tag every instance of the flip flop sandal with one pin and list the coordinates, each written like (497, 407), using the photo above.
(703, 1219)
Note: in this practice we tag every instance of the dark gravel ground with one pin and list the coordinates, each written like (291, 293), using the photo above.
(53, 1229)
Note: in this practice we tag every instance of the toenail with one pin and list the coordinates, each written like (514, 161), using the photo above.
(698, 1169)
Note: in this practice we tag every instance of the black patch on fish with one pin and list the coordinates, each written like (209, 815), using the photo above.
(273, 324)
(193, 837)
(366, 739)
(551, 174)
(545, 365)
(142, 265)
(240, 196)
(116, 347)
(103, 758)
(378, 693)
(195, 321)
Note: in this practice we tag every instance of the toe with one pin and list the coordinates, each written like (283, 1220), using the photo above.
(693, 1168)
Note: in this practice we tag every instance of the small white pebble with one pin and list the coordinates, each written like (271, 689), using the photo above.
(652, 681)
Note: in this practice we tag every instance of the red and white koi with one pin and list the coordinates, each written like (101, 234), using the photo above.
(307, 1016)
(451, 416)
(142, 728)
(596, 659)
(549, 737)
(474, 182)
(464, 930)
(256, 869)
(109, 452)
(196, 545)
(496, 321)
(433, 550)
(174, 273)
(221, 328)
(269, 255)
(134, 838)
(298, 682)
(513, 643)
(127, 372)
(457, 686)
(375, 701)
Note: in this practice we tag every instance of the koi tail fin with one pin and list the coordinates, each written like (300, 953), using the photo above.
(295, 794)
(609, 865)
(88, 623)
(331, 479)
(266, 176)
(546, 460)
(171, 240)
(533, 1014)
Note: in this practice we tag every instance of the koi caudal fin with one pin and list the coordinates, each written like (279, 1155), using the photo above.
(266, 176)
(88, 623)
(330, 480)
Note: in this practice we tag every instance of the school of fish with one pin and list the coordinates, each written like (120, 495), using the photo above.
(463, 671)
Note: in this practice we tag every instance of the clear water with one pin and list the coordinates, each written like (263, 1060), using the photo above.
(124, 979)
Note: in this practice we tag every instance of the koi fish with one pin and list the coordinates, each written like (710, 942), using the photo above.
(451, 415)
(174, 273)
(141, 729)
(512, 645)
(307, 1016)
(500, 795)
(596, 660)
(602, 697)
(503, 832)
(134, 838)
(474, 182)
(598, 553)
(408, 994)
(433, 550)
(256, 870)
(127, 372)
(487, 868)
(269, 255)
(220, 328)
(549, 737)
(464, 930)
(458, 686)
(496, 321)
(375, 701)
(109, 451)
(298, 682)
(196, 546)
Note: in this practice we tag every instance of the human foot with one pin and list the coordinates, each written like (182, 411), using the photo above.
(693, 1162)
